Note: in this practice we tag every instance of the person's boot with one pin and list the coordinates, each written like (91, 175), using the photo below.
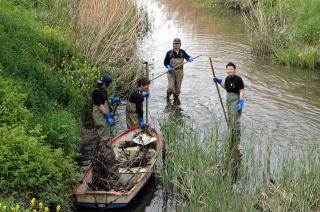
(176, 100)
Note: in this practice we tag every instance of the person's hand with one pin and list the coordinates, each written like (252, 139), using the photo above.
(218, 80)
(115, 100)
(145, 94)
(170, 69)
(109, 119)
(240, 105)
(190, 59)
(141, 122)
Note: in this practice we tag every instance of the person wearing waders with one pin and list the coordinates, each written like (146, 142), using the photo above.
(174, 58)
(134, 109)
(101, 114)
(235, 98)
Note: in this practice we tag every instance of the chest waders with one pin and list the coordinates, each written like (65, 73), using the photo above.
(175, 77)
(233, 115)
(132, 118)
(100, 122)
(233, 154)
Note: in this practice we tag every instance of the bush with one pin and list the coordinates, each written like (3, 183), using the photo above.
(61, 130)
(31, 169)
(12, 110)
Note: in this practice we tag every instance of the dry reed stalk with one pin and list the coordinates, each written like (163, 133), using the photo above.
(107, 29)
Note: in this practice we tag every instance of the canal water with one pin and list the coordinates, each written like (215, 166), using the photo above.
(281, 102)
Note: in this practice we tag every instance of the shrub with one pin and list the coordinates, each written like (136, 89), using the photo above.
(31, 169)
(61, 130)
(12, 110)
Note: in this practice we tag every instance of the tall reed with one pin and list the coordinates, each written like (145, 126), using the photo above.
(266, 23)
(210, 173)
(107, 31)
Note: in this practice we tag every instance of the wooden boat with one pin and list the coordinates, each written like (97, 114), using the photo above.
(134, 177)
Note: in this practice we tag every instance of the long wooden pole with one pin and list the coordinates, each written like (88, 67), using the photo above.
(173, 68)
(214, 75)
(147, 75)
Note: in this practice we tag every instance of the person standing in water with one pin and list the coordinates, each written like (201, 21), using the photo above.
(101, 114)
(134, 109)
(174, 58)
(235, 97)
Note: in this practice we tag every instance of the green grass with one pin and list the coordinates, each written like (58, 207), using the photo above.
(205, 173)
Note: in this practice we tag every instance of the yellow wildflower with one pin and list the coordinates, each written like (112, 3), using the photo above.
(40, 204)
(12, 209)
(34, 210)
(58, 208)
(46, 209)
(4, 207)
(17, 207)
(33, 201)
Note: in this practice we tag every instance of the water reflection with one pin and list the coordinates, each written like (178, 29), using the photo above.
(174, 110)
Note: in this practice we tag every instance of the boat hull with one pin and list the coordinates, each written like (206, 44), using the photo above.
(113, 199)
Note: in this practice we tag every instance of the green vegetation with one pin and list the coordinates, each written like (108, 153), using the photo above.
(48, 66)
(206, 173)
(288, 31)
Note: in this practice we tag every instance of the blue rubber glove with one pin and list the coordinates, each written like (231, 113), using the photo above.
(109, 119)
(145, 94)
(240, 105)
(190, 59)
(218, 80)
(115, 100)
(141, 122)
(170, 69)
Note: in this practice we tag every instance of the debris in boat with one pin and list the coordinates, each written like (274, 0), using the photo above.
(144, 139)
(107, 169)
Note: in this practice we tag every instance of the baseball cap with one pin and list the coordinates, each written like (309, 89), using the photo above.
(105, 79)
(176, 40)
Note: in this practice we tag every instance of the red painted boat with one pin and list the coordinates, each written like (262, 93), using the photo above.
(135, 176)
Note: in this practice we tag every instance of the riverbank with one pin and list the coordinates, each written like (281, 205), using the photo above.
(207, 172)
(52, 52)
(285, 31)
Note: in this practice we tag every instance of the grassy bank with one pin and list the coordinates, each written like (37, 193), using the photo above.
(209, 174)
(287, 31)
(52, 52)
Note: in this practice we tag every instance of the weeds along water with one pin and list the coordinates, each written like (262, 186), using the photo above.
(286, 31)
(207, 172)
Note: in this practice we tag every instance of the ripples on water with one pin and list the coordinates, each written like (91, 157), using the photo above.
(283, 101)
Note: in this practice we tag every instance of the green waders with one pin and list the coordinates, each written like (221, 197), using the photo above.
(233, 115)
(233, 155)
(175, 78)
(132, 118)
(101, 124)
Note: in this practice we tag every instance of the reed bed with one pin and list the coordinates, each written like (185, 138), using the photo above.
(107, 31)
(208, 173)
(285, 31)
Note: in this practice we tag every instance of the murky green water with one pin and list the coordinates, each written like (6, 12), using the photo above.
(281, 102)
